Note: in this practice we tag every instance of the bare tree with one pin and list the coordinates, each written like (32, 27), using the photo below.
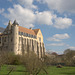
(7, 58)
(32, 63)
(69, 57)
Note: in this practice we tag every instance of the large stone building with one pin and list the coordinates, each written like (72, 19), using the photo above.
(21, 40)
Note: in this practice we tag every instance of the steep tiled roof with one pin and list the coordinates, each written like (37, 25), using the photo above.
(26, 30)
(36, 30)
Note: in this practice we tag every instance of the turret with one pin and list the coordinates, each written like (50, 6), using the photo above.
(15, 37)
(9, 25)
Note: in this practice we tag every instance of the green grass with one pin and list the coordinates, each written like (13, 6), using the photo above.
(51, 71)
(61, 71)
(18, 71)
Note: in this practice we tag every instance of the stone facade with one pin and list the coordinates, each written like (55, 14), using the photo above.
(21, 40)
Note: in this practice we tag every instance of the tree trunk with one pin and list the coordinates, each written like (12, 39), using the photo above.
(10, 71)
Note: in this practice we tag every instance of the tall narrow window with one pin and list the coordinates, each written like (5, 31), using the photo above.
(21, 33)
(39, 39)
(0, 40)
(5, 39)
(11, 39)
(24, 34)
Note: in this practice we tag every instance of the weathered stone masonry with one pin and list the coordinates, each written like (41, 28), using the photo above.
(20, 40)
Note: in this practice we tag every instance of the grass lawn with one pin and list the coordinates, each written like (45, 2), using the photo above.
(51, 71)
(61, 71)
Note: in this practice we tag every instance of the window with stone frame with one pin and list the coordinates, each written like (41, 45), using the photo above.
(11, 39)
(34, 36)
(3, 39)
(26, 34)
(39, 39)
(31, 36)
(21, 33)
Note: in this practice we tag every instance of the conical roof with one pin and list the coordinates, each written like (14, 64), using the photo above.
(15, 23)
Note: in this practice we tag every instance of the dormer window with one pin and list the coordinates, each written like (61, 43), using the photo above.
(34, 36)
(24, 34)
(21, 33)
(31, 36)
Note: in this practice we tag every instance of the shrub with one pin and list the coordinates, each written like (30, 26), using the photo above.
(59, 66)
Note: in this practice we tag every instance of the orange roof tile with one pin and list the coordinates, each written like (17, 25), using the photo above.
(36, 30)
(26, 30)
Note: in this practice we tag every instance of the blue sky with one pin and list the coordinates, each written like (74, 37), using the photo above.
(55, 18)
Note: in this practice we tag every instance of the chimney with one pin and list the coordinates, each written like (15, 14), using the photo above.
(30, 28)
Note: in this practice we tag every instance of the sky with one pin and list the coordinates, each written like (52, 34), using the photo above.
(55, 18)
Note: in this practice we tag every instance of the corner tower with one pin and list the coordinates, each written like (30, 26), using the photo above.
(15, 37)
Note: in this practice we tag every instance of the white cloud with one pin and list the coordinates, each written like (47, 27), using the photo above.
(58, 37)
(56, 44)
(27, 3)
(60, 5)
(61, 36)
(44, 17)
(72, 47)
(53, 39)
(25, 17)
(2, 10)
(62, 23)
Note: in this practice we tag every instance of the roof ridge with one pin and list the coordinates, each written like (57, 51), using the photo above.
(26, 30)
(35, 29)
(24, 27)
